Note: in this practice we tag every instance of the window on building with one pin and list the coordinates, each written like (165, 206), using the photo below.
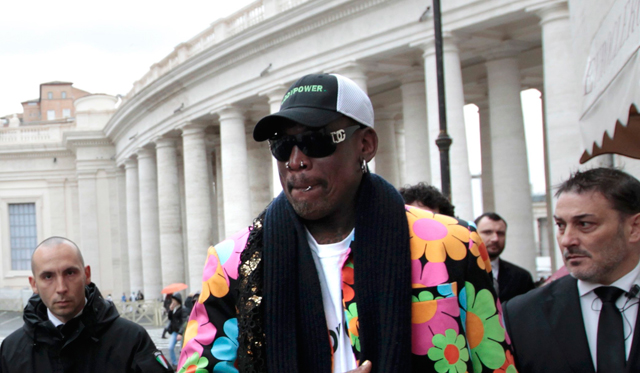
(51, 114)
(64, 94)
(23, 234)
(66, 113)
(50, 95)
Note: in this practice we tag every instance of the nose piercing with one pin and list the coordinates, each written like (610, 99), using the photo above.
(301, 164)
(286, 165)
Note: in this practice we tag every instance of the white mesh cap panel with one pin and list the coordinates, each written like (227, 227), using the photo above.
(353, 102)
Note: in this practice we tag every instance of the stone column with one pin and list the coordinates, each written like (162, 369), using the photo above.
(235, 178)
(416, 130)
(170, 219)
(133, 224)
(149, 223)
(387, 156)
(488, 203)
(275, 99)
(122, 231)
(561, 82)
(219, 191)
(561, 103)
(198, 200)
(512, 190)
(89, 240)
(458, 156)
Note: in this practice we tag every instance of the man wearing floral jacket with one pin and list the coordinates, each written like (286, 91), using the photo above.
(337, 274)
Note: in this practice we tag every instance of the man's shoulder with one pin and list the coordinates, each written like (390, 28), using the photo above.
(16, 335)
(534, 298)
(14, 342)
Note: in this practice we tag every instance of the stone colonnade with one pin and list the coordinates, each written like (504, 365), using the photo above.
(184, 194)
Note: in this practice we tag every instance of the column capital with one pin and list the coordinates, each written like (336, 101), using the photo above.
(506, 49)
(130, 163)
(351, 69)
(551, 10)
(428, 45)
(415, 75)
(229, 112)
(165, 142)
(145, 153)
(193, 128)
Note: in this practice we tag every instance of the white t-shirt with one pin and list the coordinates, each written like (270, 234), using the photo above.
(329, 260)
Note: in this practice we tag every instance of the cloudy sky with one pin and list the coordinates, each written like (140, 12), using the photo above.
(100, 48)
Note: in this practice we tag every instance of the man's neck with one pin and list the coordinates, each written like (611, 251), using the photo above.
(327, 231)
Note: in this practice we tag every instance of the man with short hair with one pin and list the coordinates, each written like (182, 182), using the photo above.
(69, 327)
(427, 197)
(337, 274)
(586, 322)
(509, 279)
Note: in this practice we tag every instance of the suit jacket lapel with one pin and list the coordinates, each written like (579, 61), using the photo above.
(503, 275)
(563, 311)
(633, 363)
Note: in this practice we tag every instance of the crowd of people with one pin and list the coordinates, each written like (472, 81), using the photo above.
(344, 273)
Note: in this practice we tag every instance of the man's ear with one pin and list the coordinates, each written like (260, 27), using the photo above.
(87, 273)
(634, 228)
(32, 282)
(369, 143)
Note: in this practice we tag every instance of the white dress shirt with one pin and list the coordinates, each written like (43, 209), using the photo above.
(56, 321)
(591, 306)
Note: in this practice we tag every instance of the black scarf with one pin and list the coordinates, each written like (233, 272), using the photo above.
(295, 327)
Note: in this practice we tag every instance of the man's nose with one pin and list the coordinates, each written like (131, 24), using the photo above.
(567, 238)
(61, 285)
(298, 160)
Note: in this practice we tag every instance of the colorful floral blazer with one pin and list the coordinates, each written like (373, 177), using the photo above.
(456, 318)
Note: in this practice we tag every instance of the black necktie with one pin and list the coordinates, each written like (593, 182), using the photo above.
(610, 347)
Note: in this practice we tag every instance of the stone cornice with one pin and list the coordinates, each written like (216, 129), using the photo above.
(92, 138)
(34, 153)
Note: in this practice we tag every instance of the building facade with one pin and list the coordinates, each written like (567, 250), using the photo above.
(145, 188)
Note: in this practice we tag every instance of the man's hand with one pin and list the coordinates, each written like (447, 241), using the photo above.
(364, 368)
(179, 337)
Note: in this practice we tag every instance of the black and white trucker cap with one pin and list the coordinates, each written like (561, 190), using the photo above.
(316, 100)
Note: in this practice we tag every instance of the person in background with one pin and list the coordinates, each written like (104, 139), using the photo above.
(69, 327)
(177, 316)
(166, 305)
(427, 197)
(509, 279)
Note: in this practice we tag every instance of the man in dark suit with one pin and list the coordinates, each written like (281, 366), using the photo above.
(586, 322)
(508, 279)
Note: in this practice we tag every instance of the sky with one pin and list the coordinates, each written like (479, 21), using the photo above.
(101, 47)
(104, 47)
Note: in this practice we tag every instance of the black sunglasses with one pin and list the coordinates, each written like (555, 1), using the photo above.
(315, 144)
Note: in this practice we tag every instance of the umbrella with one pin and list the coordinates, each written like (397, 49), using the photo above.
(173, 288)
